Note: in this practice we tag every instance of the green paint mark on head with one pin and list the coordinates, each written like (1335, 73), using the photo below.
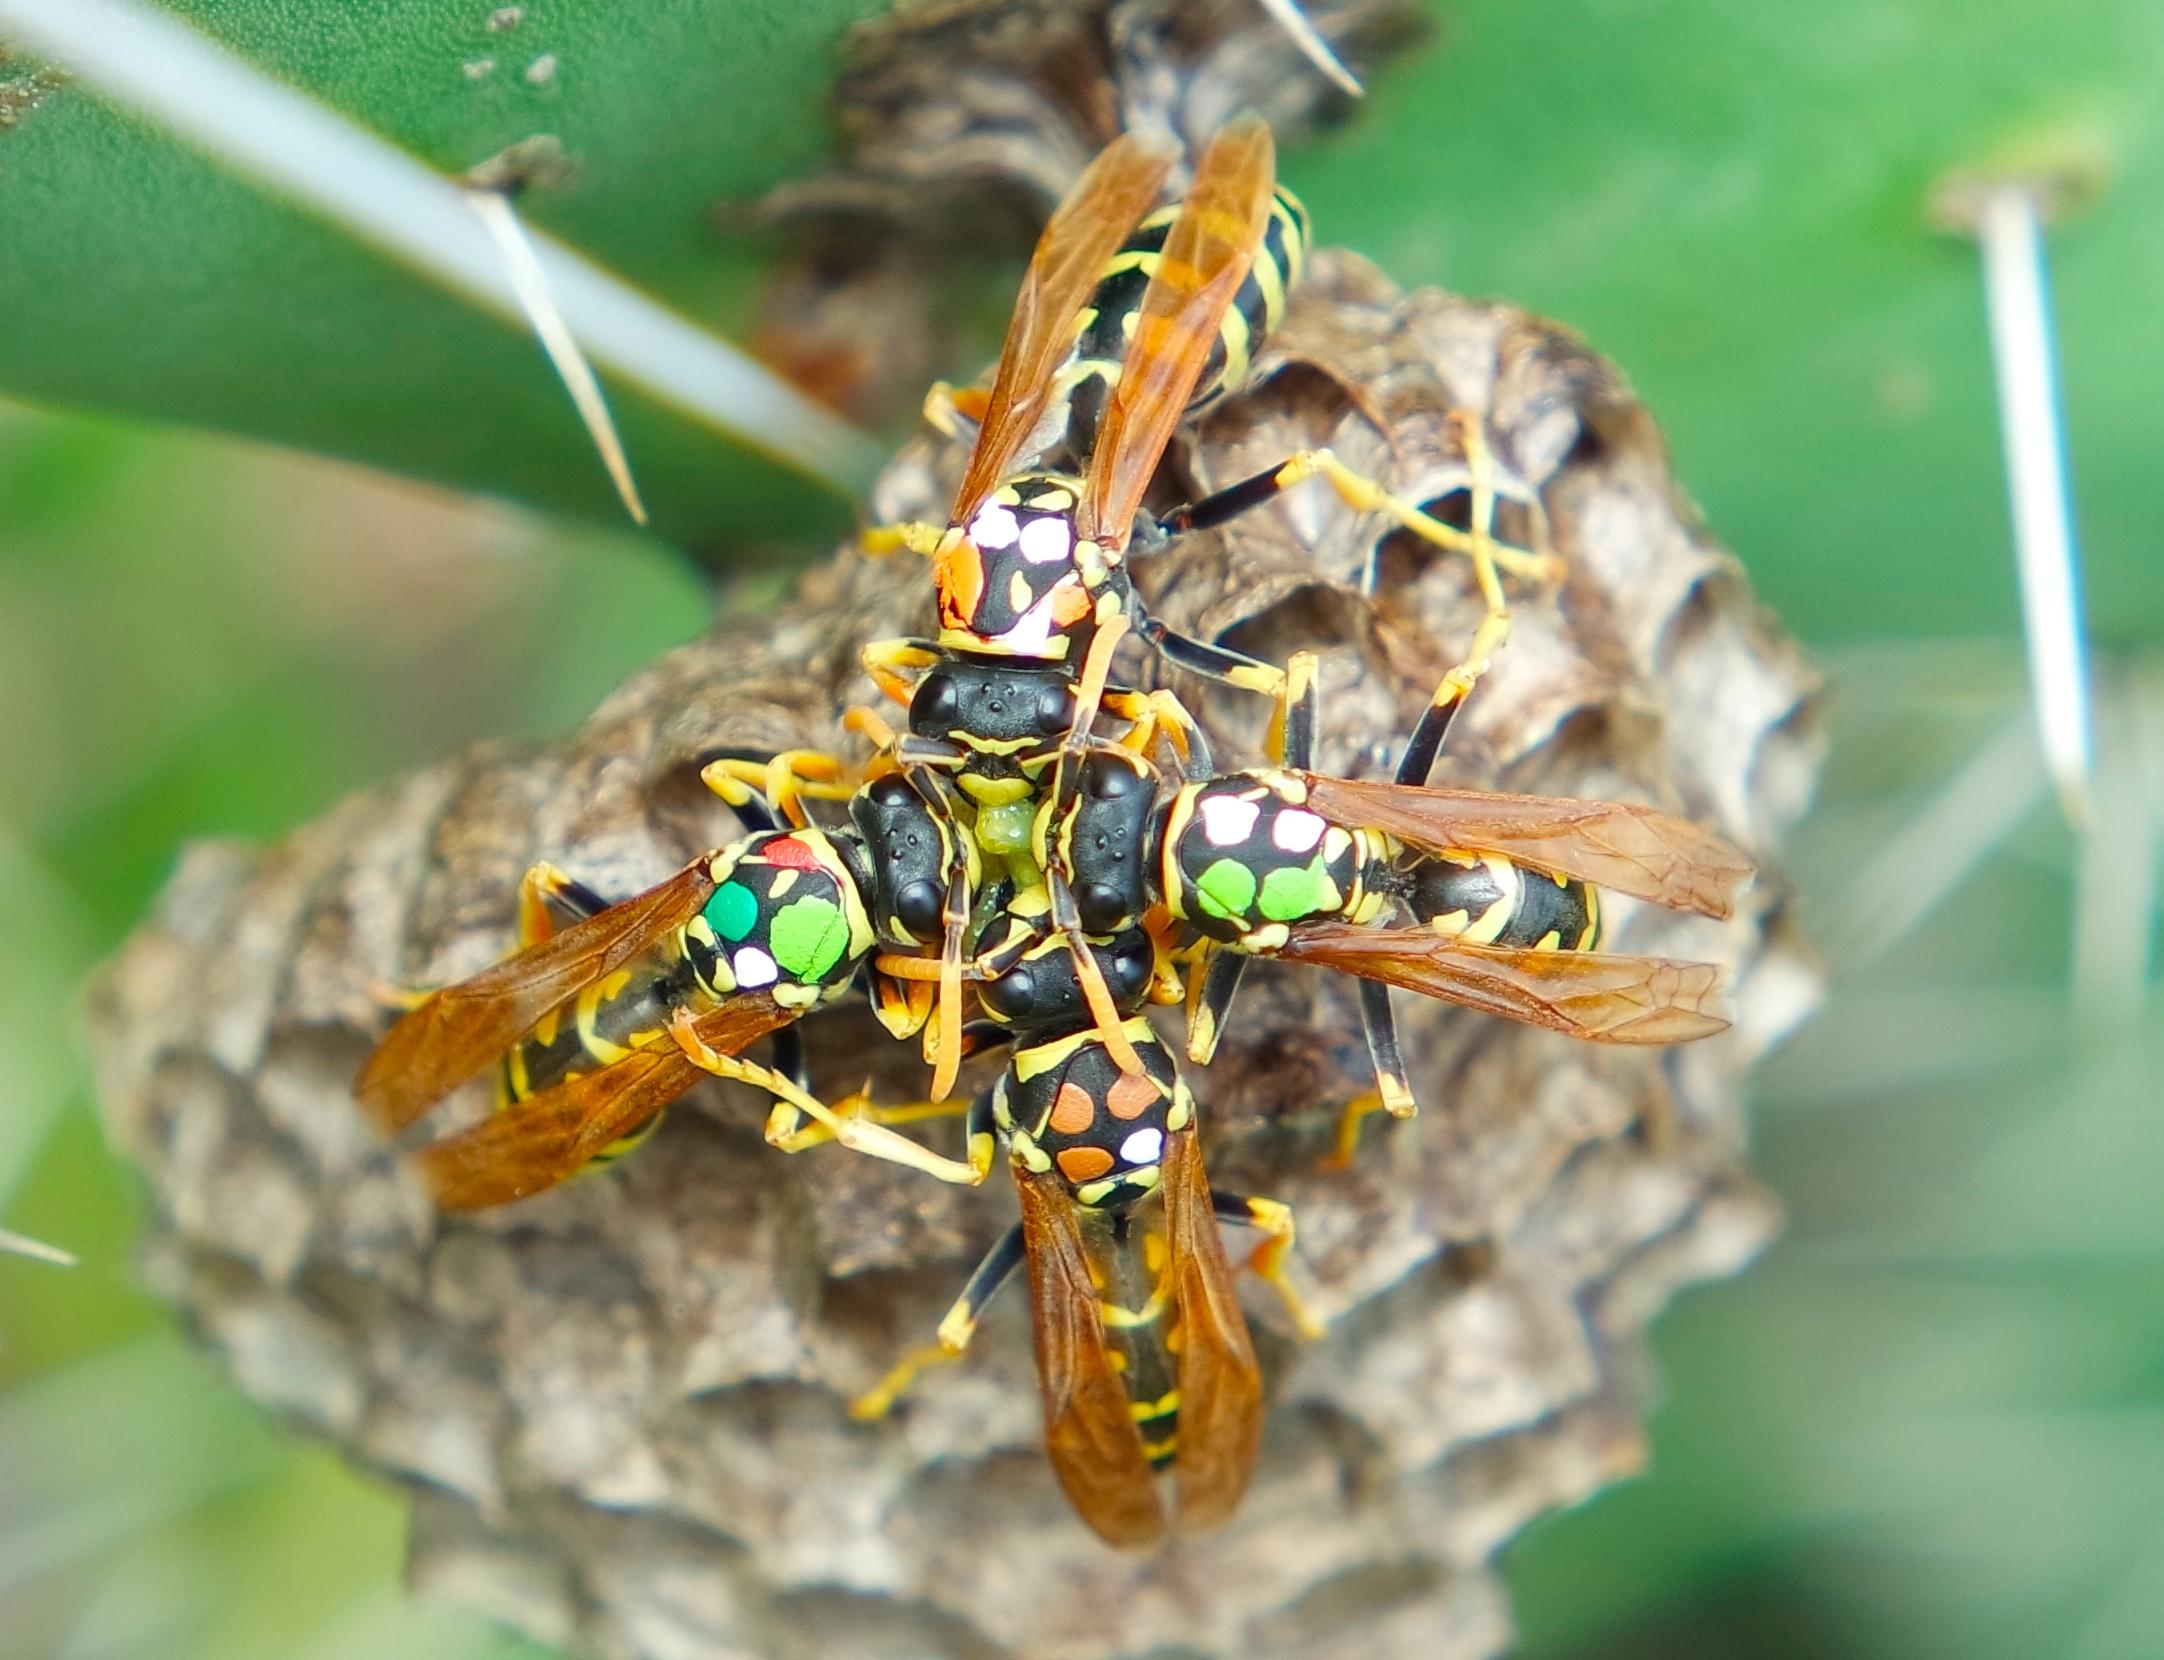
(732, 911)
(1226, 889)
(809, 936)
(1303, 891)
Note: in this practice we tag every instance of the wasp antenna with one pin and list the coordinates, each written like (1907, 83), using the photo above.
(1313, 47)
(530, 284)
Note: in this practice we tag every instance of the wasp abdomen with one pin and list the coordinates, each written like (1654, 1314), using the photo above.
(1107, 323)
(1486, 899)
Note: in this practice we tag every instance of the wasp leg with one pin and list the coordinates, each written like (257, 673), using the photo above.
(756, 814)
(892, 664)
(1491, 559)
(956, 412)
(955, 1329)
(1291, 688)
(1212, 990)
(914, 534)
(786, 779)
(852, 1127)
(544, 894)
(1151, 714)
(787, 1130)
(1357, 1111)
(1273, 1219)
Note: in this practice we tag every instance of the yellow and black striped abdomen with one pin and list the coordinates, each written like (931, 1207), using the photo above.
(599, 1027)
(1107, 323)
(1130, 1259)
(1489, 900)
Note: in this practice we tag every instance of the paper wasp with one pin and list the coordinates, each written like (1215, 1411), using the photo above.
(1143, 1355)
(607, 1013)
(1030, 576)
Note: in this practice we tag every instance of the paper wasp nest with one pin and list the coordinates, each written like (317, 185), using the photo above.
(621, 1407)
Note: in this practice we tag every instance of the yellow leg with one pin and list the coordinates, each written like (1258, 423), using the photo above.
(1273, 1218)
(913, 534)
(955, 1331)
(786, 780)
(955, 411)
(892, 664)
(1149, 715)
(1356, 1112)
(1363, 494)
(853, 1131)
(790, 1131)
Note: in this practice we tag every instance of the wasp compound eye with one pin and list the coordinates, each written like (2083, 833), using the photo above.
(1055, 709)
(1103, 907)
(936, 706)
(892, 791)
(1012, 995)
(917, 908)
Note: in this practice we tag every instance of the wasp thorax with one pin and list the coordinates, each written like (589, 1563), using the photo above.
(1243, 855)
(1015, 579)
(784, 915)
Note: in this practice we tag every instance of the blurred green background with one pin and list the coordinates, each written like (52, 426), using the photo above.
(1930, 1422)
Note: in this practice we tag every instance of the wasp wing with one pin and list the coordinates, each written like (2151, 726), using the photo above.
(1090, 1436)
(1220, 1386)
(1206, 257)
(1631, 849)
(461, 1029)
(1584, 994)
(1113, 195)
(535, 1143)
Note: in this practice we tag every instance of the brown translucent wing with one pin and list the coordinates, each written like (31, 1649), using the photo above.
(1220, 1386)
(1206, 257)
(461, 1029)
(1089, 1435)
(536, 1143)
(1630, 849)
(1585, 994)
(1114, 194)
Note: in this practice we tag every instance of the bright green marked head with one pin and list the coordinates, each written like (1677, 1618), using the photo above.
(1226, 889)
(732, 910)
(809, 936)
(1291, 894)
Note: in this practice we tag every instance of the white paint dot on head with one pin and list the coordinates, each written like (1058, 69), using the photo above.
(1046, 540)
(1226, 819)
(1143, 1147)
(754, 968)
(1297, 831)
(994, 528)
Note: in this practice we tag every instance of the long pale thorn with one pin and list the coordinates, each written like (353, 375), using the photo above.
(149, 64)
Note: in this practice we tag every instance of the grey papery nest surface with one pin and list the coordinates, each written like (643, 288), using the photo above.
(621, 1406)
